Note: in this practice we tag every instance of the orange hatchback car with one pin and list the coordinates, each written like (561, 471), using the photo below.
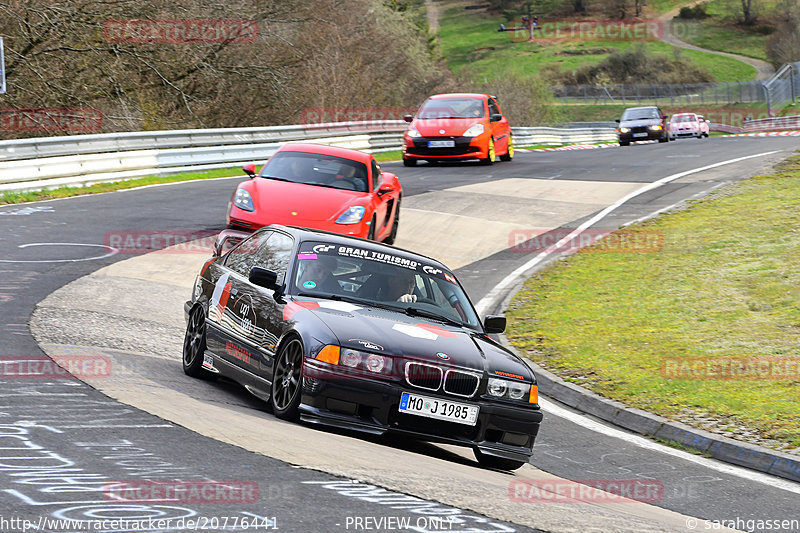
(458, 126)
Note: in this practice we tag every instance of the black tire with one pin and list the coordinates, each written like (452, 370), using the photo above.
(371, 234)
(490, 461)
(509, 155)
(409, 162)
(624, 143)
(194, 345)
(393, 235)
(490, 159)
(287, 381)
(663, 140)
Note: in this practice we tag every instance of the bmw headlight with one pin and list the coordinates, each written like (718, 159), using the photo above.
(412, 132)
(352, 215)
(474, 130)
(347, 357)
(624, 130)
(242, 200)
(656, 127)
(505, 388)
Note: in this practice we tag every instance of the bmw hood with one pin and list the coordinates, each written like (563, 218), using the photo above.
(640, 122)
(299, 202)
(396, 334)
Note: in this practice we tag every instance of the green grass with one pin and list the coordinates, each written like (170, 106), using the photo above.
(64, 192)
(392, 155)
(724, 285)
(720, 32)
(470, 43)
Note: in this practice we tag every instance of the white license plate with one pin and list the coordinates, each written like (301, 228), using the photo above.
(459, 413)
(441, 144)
(640, 134)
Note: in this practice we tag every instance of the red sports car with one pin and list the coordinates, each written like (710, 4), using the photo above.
(319, 187)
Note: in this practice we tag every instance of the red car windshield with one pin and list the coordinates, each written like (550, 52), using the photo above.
(317, 169)
(452, 108)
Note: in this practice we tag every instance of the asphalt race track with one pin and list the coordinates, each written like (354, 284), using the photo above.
(64, 441)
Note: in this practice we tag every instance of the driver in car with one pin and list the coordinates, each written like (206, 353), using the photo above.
(397, 287)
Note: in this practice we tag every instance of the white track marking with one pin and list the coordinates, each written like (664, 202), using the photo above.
(588, 423)
(111, 251)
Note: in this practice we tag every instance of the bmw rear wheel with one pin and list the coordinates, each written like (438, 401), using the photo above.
(194, 345)
(287, 381)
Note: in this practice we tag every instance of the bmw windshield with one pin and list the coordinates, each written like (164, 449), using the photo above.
(396, 281)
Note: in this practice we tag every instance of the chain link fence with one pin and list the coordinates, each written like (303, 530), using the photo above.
(719, 93)
(782, 89)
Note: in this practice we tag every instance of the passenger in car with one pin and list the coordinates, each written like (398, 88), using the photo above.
(317, 275)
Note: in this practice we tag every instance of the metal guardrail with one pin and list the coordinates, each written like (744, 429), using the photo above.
(530, 136)
(28, 164)
(760, 125)
(40, 163)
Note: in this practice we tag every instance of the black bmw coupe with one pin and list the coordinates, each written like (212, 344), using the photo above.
(358, 335)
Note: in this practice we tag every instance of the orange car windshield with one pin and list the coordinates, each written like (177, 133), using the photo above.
(452, 108)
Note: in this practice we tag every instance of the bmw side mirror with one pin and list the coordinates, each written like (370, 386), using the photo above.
(227, 239)
(494, 324)
(250, 169)
(617, 121)
(264, 278)
(496, 117)
(408, 118)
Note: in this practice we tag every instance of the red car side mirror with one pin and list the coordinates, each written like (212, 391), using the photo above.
(408, 118)
(250, 169)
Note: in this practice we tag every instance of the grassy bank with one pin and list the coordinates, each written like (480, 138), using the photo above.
(471, 40)
(721, 32)
(655, 330)
(64, 192)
